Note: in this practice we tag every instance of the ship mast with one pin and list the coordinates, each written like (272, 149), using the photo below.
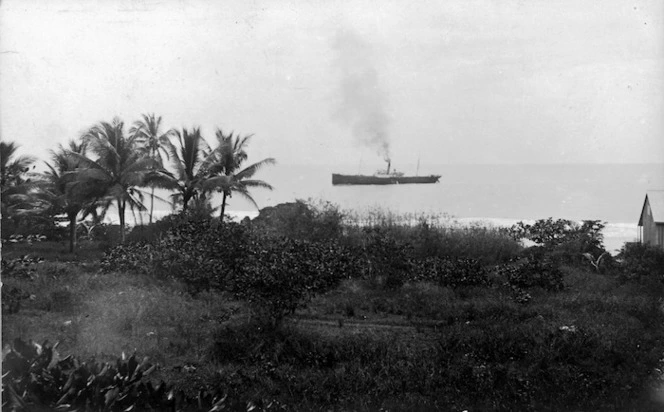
(417, 172)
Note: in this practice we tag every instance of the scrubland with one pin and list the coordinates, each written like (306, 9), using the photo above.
(306, 309)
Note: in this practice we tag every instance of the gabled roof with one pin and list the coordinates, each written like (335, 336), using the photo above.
(655, 199)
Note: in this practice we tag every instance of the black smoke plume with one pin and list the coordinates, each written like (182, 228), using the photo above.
(362, 100)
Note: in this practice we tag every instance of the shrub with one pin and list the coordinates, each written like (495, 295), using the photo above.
(200, 252)
(640, 260)
(131, 257)
(533, 271)
(281, 275)
(104, 232)
(563, 240)
(385, 258)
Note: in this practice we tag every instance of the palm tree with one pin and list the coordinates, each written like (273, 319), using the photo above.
(188, 160)
(62, 193)
(118, 167)
(225, 169)
(15, 185)
(148, 136)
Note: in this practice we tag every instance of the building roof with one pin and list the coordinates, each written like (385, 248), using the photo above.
(656, 200)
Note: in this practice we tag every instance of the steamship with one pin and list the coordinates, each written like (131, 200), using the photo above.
(382, 177)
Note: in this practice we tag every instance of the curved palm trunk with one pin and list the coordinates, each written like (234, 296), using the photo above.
(223, 206)
(72, 232)
(121, 213)
(185, 202)
(151, 203)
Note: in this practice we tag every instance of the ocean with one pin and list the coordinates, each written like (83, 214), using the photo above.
(496, 194)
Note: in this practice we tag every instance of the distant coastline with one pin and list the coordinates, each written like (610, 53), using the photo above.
(615, 233)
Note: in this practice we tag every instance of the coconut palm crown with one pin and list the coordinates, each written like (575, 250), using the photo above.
(157, 145)
(227, 174)
(188, 158)
(15, 183)
(60, 192)
(117, 166)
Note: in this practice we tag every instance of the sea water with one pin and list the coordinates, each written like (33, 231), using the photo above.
(495, 194)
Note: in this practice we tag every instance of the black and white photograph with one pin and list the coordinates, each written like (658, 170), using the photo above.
(289, 205)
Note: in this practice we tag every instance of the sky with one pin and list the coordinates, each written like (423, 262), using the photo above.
(334, 82)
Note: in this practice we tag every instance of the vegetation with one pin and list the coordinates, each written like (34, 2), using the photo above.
(187, 159)
(155, 143)
(641, 261)
(307, 307)
(108, 167)
(15, 186)
(342, 342)
(226, 173)
(61, 191)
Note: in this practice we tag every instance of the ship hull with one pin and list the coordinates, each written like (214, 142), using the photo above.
(338, 179)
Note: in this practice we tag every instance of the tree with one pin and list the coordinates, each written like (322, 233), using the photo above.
(225, 169)
(149, 137)
(188, 160)
(14, 181)
(118, 167)
(62, 193)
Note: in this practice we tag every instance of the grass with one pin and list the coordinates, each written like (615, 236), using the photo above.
(592, 346)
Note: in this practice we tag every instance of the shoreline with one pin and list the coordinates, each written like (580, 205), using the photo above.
(615, 233)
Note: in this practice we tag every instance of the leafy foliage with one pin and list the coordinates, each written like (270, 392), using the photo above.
(37, 378)
(639, 260)
(15, 182)
(225, 170)
(386, 259)
(119, 168)
(564, 240)
(195, 250)
(275, 275)
(281, 275)
(20, 267)
(533, 271)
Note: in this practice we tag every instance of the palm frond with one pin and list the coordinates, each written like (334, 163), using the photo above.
(257, 183)
(249, 171)
(222, 182)
(245, 194)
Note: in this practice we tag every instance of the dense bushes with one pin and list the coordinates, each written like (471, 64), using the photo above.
(275, 275)
(641, 261)
(533, 271)
(282, 274)
(385, 259)
(200, 252)
(563, 240)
